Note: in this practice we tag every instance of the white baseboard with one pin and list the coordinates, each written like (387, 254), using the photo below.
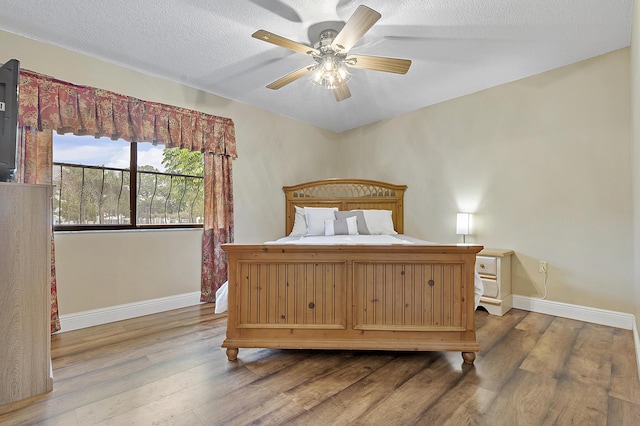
(582, 313)
(576, 312)
(109, 314)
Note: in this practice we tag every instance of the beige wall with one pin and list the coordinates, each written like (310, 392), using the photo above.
(273, 151)
(100, 269)
(545, 165)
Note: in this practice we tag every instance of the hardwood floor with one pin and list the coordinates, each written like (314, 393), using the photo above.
(169, 369)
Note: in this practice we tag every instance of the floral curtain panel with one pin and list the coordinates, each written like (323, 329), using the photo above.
(218, 227)
(48, 104)
(34, 166)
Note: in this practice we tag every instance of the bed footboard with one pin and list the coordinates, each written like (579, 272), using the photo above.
(391, 297)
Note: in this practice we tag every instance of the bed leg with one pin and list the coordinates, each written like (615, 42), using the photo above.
(469, 357)
(232, 354)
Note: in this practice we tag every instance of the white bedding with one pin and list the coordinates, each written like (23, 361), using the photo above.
(222, 293)
(343, 239)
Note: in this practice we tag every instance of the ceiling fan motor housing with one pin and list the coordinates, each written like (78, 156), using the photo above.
(326, 38)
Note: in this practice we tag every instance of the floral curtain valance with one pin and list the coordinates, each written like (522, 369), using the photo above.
(50, 104)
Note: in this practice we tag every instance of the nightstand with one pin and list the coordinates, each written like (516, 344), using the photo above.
(494, 267)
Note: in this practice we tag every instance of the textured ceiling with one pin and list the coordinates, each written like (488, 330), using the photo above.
(457, 47)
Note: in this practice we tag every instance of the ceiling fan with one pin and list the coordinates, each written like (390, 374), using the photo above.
(332, 57)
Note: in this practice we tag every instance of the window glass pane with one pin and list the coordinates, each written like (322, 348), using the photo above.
(91, 178)
(175, 196)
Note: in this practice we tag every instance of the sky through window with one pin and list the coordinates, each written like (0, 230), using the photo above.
(88, 150)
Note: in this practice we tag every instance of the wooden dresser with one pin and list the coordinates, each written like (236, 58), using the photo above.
(25, 294)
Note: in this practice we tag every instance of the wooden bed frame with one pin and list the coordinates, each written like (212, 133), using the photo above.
(378, 297)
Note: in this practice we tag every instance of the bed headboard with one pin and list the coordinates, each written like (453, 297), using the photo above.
(346, 194)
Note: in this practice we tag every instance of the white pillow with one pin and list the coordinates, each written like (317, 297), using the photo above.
(316, 216)
(299, 223)
(379, 222)
(343, 226)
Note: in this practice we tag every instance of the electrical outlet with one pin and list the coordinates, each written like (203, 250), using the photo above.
(542, 266)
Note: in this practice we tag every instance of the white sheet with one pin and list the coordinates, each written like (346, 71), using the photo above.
(222, 299)
(342, 239)
(222, 295)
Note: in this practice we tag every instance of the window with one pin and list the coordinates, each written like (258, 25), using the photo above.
(107, 184)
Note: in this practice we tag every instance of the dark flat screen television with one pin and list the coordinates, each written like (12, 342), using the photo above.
(9, 81)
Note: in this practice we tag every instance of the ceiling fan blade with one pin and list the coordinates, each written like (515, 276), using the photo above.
(283, 42)
(291, 77)
(378, 63)
(342, 92)
(355, 28)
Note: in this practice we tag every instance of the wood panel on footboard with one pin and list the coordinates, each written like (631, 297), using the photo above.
(389, 297)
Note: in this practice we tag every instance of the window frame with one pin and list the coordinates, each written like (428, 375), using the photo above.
(133, 202)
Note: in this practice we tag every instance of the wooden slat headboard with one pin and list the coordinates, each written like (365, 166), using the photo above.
(346, 194)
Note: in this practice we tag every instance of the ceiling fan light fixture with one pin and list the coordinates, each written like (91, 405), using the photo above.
(330, 72)
(331, 54)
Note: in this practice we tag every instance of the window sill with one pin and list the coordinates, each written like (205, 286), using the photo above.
(125, 230)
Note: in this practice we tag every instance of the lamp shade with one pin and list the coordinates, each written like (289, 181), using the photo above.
(463, 224)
